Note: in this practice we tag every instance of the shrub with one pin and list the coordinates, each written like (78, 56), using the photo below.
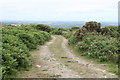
(72, 40)
(113, 31)
(16, 44)
(68, 34)
(29, 40)
(92, 26)
(43, 27)
(14, 55)
(101, 47)
(57, 31)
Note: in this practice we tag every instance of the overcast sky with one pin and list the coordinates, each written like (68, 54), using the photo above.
(59, 10)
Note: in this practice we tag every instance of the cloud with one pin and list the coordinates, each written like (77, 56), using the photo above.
(58, 9)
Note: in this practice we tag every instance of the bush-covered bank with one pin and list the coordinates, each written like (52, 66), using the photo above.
(95, 42)
(16, 44)
(100, 47)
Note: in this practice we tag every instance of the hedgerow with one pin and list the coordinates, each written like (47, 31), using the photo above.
(16, 44)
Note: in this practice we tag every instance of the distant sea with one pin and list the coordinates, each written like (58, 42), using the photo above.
(60, 24)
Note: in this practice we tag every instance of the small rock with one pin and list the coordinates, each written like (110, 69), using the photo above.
(69, 61)
(38, 66)
(103, 70)
(53, 59)
(82, 64)
(77, 61)
(105, 76)
(103, 65)
(49, 60)
(64, 57)
(45, 70)
(87, 64)
(73, 61)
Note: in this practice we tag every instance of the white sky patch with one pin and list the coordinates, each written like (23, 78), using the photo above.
(63, 10)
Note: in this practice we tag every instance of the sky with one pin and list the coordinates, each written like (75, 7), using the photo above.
(59, 10)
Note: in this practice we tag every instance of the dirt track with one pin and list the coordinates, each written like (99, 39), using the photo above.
(55, 59)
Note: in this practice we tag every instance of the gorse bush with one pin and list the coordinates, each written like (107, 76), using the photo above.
(14, 55)
(96, 42)
(17, 42)
(113, 31)
(92, 26)
(43, 27)
(102, 48)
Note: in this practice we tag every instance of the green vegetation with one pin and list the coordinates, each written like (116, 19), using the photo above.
(43, 27)
(70, 31)
(102, 48)
(98, 43)
(57, 31)
(16, 44)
